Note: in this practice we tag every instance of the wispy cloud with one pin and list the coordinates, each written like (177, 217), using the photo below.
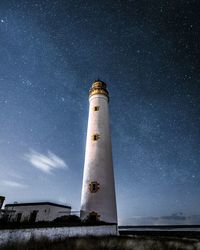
(13, 184)
(173, 219)
(46, 163)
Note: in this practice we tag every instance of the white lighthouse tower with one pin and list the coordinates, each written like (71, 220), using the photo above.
(98, 200)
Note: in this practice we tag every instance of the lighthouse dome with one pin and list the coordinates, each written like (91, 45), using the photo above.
(99, 87)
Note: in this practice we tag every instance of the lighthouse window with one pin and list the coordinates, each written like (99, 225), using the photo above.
(96, 108)
(94, 186)
(95, 137)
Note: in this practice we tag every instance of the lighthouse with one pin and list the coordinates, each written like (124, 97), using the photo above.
(98, 202)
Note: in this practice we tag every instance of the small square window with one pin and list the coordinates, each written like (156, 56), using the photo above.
(96, 108)
(94, 186)
(95, 137)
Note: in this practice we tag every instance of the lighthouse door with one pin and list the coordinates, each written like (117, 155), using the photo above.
(93, 217)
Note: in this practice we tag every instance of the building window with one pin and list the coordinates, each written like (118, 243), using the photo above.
(95, 137)
(94, 186)
(96, 108)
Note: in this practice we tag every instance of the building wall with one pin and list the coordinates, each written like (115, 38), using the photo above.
(1, 214)
(45, 212)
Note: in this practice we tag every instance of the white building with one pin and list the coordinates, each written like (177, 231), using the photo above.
(33, 212)
(98, 200)
(2, 198)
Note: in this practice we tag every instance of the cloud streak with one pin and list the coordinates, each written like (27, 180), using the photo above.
(173, 219)
(46, 163)
(13, 184)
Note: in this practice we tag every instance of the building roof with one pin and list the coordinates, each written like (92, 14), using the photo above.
(36, 204)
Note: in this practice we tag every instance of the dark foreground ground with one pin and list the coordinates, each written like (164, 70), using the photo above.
(110, 242)
(162, 233)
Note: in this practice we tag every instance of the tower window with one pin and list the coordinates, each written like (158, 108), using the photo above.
(96, 108)
(94, 186)
(95, 137)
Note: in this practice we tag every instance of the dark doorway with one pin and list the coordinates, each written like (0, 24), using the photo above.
(33, 216)
(19, 216)
(93, 217)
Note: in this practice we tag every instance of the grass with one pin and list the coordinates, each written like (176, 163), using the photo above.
(107, 243)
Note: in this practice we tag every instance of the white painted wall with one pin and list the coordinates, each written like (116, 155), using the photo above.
(98, 164)
(45, 212)
(55, 233)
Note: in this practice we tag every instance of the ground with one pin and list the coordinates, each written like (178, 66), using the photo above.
(108, 243)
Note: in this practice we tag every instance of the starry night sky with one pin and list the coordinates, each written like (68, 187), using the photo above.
(148, 52)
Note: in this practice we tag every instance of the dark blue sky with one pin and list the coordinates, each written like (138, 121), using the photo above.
(148, 54)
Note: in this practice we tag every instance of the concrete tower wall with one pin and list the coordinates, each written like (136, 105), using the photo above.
(98, 166)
